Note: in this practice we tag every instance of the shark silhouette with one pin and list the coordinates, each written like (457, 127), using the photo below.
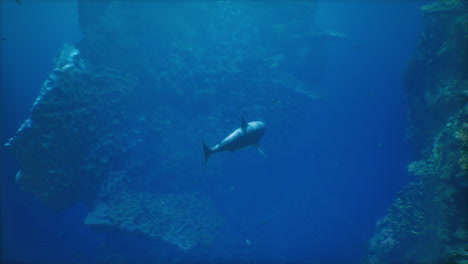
(248, 134)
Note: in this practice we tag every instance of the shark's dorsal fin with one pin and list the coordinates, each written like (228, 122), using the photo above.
(244, 125)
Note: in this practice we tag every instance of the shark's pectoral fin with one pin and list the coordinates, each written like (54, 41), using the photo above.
(244, 125)
(260, 149)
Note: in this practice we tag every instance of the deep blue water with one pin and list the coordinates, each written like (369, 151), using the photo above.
(317, 200)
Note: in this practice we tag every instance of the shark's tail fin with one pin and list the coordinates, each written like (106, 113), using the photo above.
(207, 151)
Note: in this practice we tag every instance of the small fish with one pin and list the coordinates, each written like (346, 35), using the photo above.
(276, 101)
(3, 39)
(19, 2)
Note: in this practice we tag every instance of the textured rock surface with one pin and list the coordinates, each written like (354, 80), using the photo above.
(428, 222)
(65, 145)
(119, 122)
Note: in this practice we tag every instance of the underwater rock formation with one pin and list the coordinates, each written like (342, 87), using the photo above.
(184, 220)
(119, 122)
(74, 133)
(428, 222)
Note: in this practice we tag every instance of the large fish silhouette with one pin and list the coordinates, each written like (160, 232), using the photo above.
(248, 134)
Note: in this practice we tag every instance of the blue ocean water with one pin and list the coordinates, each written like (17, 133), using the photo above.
(316, 200)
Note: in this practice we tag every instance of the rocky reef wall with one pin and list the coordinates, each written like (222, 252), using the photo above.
(428, 222)
(119, 122)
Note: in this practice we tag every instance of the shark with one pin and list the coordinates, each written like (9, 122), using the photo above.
(248, 134)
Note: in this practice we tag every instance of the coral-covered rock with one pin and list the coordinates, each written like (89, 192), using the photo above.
(184, 220)
(426, 223)
(70, 137)
(115, 124)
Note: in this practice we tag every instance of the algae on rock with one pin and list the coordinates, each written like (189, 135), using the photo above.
(115, 124)
(427, 223)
